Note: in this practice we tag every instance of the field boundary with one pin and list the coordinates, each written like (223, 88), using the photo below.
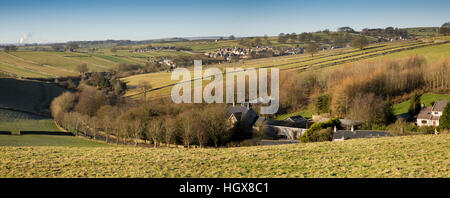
(45, 133)
(5, 133)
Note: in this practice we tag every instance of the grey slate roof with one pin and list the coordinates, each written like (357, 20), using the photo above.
(359, 134)
(295, 119)
(344, 122)
(236, 109)
(425, 113)
(246, 116)
(439, 105)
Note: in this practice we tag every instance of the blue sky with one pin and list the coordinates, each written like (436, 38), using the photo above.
(59, 21)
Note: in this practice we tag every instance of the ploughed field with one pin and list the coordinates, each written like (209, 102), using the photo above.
(408, 156)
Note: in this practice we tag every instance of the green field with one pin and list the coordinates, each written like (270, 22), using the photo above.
(304, 113)
(431, 54)
(18, 121)
(427, 99)
(47, 140)
(408, 156)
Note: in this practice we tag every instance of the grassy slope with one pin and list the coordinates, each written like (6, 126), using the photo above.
(47, 140)
(411, 156)
(27, 96)
(402, 108)
(17, 121)
(431, 54)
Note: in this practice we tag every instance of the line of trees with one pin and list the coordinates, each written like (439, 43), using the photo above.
(9, 48)
(95, 113)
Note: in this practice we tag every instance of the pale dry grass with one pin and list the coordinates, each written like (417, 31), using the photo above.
(411, 156)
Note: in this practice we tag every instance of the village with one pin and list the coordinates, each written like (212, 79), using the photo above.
(229, 54)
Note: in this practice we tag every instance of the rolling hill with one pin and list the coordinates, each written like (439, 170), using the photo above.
(161, 82)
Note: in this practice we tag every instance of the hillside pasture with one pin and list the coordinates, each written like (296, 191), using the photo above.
(15, 121)
(28, 96)
(391, 157)
(46, 140)
(328, 59)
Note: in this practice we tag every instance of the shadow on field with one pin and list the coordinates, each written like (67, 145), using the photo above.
(5, 133)
(27, 95)
(45, 133)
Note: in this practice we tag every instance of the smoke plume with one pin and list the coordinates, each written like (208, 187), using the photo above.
(25, 38)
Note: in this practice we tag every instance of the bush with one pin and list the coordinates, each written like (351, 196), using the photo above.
(309, 134)
(323, 135)
(426, 130)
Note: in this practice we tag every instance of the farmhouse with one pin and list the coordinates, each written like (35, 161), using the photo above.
(242, 117)
(429, 116)
(291, 128)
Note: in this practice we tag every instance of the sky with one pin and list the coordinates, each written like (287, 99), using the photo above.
(47, 21)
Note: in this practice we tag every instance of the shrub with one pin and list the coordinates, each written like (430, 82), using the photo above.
(309, 134)
(426, 130)
(323, 135)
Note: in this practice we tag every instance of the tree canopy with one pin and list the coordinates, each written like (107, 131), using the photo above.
(444, 121)
(360, 42)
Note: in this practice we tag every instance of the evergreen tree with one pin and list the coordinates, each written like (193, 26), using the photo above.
(444, 122)
(414, 106)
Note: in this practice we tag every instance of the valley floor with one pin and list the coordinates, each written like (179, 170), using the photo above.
(409, 156)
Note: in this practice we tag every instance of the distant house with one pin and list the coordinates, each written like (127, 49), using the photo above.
(345, 123)
(429, 116)
(280, 129)
(242, 117)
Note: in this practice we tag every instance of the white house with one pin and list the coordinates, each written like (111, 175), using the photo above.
(429, 116)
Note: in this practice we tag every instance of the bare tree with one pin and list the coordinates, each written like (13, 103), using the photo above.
(214, 122)
(169, 131)
(136, 129)
(155, 130)
(144, 86)
(186, 123)
(360, 42)
(312, 48)
(82, 68)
